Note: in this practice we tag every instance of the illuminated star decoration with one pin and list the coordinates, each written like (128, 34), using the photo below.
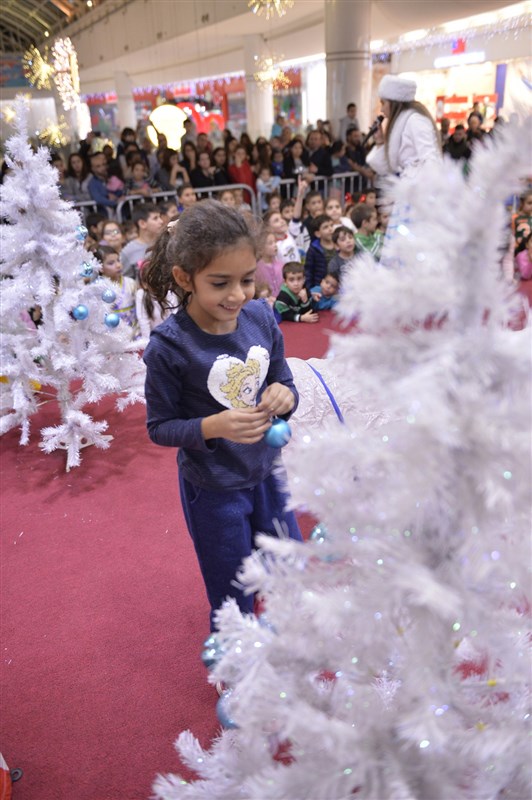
(66, 77)
(8, 113)
(270, 7)
(268, 73)
(36, 68)
(54, 133)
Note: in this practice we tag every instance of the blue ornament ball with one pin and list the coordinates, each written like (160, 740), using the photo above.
(318, 533)
(222, 710)
(112, 320)
(86, 269)
(108, 296)
(81, 233)
(279, 434)
(212, 651)
(80, 312)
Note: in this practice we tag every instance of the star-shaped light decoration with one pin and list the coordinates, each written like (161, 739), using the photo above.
(36, 68)
(270, 7)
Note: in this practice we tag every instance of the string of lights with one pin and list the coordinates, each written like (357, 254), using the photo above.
(66, 72)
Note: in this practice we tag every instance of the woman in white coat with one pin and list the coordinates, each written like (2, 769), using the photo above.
(407, 140)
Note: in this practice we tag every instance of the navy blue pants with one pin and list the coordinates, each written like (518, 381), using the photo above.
(223, 525)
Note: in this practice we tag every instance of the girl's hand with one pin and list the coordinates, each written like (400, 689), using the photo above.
(241, 425)
(277, 400)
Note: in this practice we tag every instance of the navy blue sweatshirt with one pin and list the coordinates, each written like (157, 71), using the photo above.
(192, 374)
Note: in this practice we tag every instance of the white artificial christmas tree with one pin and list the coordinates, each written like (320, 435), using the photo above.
(392, 661)
(44, 264)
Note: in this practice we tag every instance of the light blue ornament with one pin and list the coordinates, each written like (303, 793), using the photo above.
(222, 710)
(108, 296)
(80, 312)
(81, 233)
(86, 270)
(112, 320)
(212, 651)
(279, 434)
(318, 533)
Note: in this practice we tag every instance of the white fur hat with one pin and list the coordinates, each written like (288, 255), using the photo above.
(392, 87)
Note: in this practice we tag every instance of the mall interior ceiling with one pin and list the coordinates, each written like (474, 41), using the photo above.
(25, 22)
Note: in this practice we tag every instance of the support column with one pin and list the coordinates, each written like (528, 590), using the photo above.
(259, 101)
(127, 117)
(348, 59)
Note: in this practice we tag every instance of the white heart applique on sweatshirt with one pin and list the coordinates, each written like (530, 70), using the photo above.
(235, 383)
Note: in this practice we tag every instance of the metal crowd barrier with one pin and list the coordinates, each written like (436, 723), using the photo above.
(341, 183)
(90, 206)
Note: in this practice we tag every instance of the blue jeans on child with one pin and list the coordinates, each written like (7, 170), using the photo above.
(223, 525)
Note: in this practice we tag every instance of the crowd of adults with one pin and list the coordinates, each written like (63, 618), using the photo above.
(105, 174)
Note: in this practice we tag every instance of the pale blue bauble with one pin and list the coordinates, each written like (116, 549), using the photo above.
(80, 312)
(108, 296)
(279, 434)
(112, 320)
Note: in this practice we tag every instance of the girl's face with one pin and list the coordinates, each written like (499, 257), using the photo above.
(526, 207)
(76, 162)
(228, 199)
(270, 246)
(278, 225)
(189, 152)
(112, 234)
(111, 267)
(274, 203)
(385, 107)
(219, 292)
(204, 160)
(138, 172)
(188, 197)
(371, 199)
(220, 158)
(297, 150)
(333, 209)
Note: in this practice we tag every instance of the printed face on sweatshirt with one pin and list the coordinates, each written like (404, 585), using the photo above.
(235, 383)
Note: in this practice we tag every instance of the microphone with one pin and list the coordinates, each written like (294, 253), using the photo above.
(374, 128)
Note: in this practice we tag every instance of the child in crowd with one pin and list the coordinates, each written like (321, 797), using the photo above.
(314, 207)
(269, 266)
(125, 288)
(138, 182)
(287, 209)
(186, 196)
(370, 198)
(286, 247)
(240, 202)
(267, 184)
(293, 301)
(325, 296)
(339, 159)
(216, 375)
(344, 239)
(320, 252)
(168, 211)
(130, 230)
(150, 313)
(263, 292)
(523, 259)
(278, 162)
(333, 209)
(383, 216)
(227, 198)
(367, 239)
(522, 222)
(112, 235)
(274, 202)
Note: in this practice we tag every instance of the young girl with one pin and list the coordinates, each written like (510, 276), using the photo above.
(150, 313)
(263, 292)
(269, 267)
(112, 235)
(333, 209)
(216, 375)
(124, 287)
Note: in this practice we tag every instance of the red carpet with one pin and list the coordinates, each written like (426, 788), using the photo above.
(103, 611)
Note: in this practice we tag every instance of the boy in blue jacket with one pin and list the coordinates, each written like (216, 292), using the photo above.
(320, 252)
